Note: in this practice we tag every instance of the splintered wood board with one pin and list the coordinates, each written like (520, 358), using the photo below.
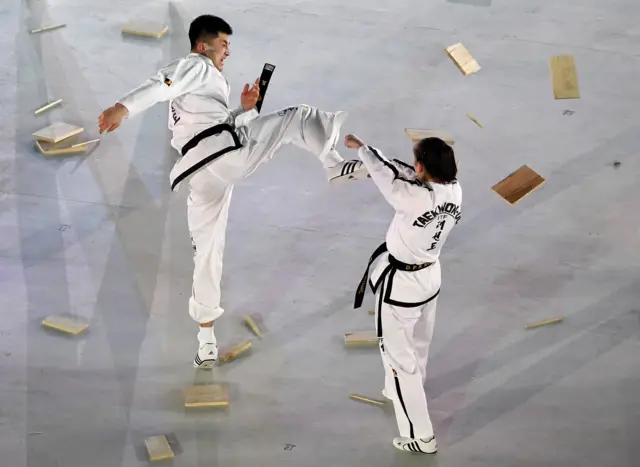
(235, 351)
(518, 184)
(366, 399)
(58, 149)
(565, 77)
(361, 338)
(253, 325)
(418, 135)
(65, 324)
(462, 58)
(146, 29)
(158, 448)
(207, 395)
(56, 132)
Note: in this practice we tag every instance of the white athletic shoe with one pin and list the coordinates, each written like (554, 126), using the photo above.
(347, 170)
(419, 445)
(206, 356)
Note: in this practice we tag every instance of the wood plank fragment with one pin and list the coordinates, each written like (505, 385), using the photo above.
(544, 323)
(366, 399)
(235, 351)
(158, 448)
(253, 325)
(418, 135)
(518, 184)
(207, 395)
(361, 338)
(65, 324)
(46, 107)
(565, 77)
(474, 120)
(84, 143)
(58, 149)
(57, 132)
(462, 58)
(47, 28)
(145, 29)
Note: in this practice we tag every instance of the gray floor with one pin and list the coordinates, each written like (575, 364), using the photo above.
(99, 236)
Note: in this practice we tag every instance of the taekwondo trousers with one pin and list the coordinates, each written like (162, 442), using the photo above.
(405, 334)
(211, 187)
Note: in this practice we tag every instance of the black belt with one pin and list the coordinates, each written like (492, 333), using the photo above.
(395, 264)
(214, 130)
(193, 142)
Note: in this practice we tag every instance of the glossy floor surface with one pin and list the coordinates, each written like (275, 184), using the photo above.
(100, 236)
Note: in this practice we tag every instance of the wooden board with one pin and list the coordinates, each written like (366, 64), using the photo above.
(361, 338)
(158, 448)
(57, 132)
(462, 58)
(235, 351)
(544, 323)
(418, 135)
(565, 77)
(58, 149)
(366, 399)
(65, 324)
(145, 29)
(518, 184)
(207, 395)
(252, 324)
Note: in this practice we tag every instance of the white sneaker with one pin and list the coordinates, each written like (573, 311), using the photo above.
(347, 170)
(385, 394)
(206, 356)
(420, 446)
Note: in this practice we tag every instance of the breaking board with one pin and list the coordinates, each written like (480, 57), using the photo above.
(518, 184)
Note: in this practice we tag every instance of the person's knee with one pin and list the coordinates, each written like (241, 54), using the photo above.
(401, 358)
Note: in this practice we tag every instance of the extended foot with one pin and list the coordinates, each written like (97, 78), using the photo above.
(418, 445)
(206, 356)
(347, 170)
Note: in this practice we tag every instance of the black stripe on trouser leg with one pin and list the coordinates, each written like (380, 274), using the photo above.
(404, 407)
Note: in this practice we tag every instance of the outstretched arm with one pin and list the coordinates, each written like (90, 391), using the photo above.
(177, 78)
(393, 185)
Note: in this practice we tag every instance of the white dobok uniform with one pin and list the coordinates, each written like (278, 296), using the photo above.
(219, 147)
(405, 277)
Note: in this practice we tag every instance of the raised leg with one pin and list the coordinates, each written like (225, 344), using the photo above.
(306, 127)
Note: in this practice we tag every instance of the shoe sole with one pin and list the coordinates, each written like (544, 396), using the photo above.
(359, 174)
(401, 448)
(206, 365)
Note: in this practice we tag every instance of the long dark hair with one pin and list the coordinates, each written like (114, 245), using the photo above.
(438, 159)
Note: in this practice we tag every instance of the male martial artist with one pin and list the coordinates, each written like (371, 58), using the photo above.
(220, 147)
(406, 274)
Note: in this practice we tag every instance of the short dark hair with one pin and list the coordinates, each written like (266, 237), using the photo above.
(207, 25)
(438, 159)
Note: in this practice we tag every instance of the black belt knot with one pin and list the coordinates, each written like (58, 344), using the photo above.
(395, 264)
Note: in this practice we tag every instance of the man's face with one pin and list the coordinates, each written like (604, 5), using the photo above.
(216, 49)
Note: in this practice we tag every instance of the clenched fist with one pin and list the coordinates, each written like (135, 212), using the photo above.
(353, 142)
